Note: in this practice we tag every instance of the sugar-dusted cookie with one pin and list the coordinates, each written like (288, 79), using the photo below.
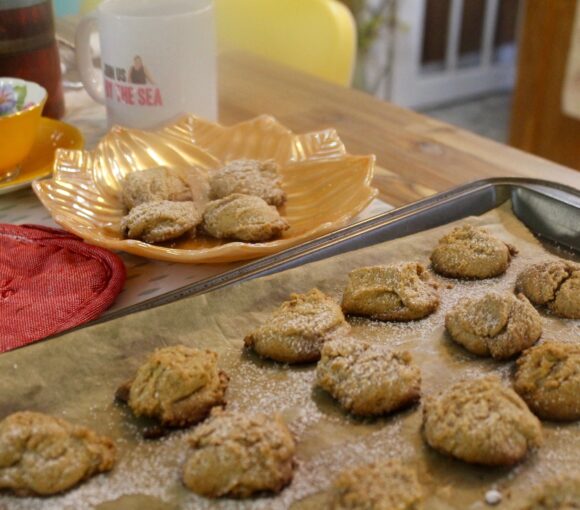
(43, 455)
(560, 493)
(243, 217)
(397, 292)
(555, 284)
(482, 422)
(249, 177)
(499, 325)
(154, 222)
(237, 455)
(368, 379)
(471, 252)
(162, 183)
(548, 379)
(177, 385)
(298, 328)
(385, 485)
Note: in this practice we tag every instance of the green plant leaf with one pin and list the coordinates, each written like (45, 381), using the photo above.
(20, 91)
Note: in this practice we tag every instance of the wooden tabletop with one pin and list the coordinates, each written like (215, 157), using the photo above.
(417, 156)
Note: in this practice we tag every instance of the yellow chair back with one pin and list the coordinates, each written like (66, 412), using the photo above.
(88, 6)
(314, 36)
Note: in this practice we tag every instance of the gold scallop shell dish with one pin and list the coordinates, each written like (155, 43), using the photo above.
(325, 186)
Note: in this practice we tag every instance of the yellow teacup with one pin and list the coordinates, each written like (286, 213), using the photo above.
(21, 104)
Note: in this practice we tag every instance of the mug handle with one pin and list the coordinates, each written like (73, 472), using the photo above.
(91, 79)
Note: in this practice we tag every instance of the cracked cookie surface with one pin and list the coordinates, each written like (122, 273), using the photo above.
(237, 455)
(298, 328)
(555, 284)
(44, 455)
(178, 386)
(482, 422)
(243, 217)
(548, 379)
(397, 292)
(368, 379)
(163, 183)
(499, 325)
(249, 177)
(471, 252)
(154, 222)
(385, 485)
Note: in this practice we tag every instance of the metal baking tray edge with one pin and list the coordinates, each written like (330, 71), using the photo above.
(549, 209)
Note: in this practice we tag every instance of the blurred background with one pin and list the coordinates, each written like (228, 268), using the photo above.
(453, 60)
(505, 69)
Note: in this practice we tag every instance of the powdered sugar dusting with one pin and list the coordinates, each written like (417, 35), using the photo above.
(296, 330)
(147, 468)
(328, 439)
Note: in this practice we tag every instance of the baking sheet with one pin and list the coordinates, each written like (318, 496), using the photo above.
(75, 376)
(147, 279)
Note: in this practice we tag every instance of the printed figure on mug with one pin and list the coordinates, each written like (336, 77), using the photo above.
(117, 88)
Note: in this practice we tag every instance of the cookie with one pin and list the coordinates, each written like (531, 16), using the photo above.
(368, 379)
(561, 493)
(555, 284)
(548, 379)
(298, 328)
(244, 218)
(249, 177)
(42, 455)
(177, 385)
(482, 422)
(385, 485)
(154, 222)
(471, 252)
(499, 325)
(238, 455)
(162, 183)
(397, 292)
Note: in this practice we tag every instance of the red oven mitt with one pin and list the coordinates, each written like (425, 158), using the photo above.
(51, 281)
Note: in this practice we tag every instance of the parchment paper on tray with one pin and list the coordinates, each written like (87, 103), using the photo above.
(75, 376)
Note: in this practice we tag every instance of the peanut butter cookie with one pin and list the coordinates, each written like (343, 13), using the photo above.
(177, 385)
(397, 292)
(471, 252)
(555, 284)
(482, 422)
(562, 493)
(42, 455)
(496, 325)
(243, 217)
(154, 222)
(249, 177)
(238, 455)
(386, 485)
(162, 183)
(297, 329)
(548, 379)
(367, 379)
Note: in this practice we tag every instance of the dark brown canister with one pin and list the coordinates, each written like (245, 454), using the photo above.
(28, 48)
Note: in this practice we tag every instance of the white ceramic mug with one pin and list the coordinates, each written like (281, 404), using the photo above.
(158, 60)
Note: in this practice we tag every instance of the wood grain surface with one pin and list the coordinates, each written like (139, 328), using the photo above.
(417, 155)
